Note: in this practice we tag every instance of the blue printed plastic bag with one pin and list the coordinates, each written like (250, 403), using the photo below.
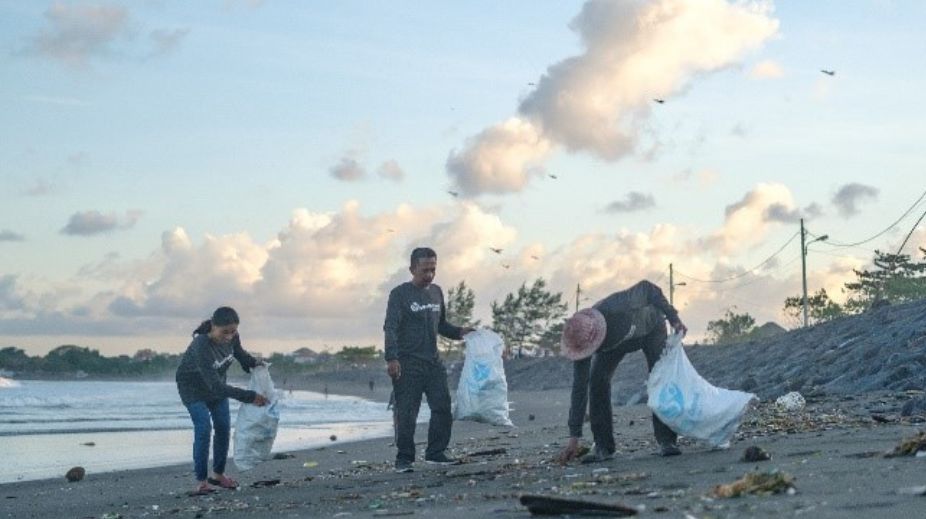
(482, 394)
(256, 427)
(690, 405)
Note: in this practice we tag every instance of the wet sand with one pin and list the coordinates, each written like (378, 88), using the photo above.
(833, 450)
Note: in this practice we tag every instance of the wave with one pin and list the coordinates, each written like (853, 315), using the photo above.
(8, 382)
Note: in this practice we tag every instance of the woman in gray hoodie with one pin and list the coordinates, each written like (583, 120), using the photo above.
(201, 381)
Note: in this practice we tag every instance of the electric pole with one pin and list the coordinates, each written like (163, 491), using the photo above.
(578, 292)
(804, 270)
(671, 285)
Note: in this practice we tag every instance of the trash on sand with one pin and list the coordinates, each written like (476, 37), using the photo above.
(75, 474)
(89, 444)
(530, 417)
(754, 453)
(763, 483)
(792, 401)
(489, 452)
(265, 483)
(912, 491)
(545, 505)
(310, 464)
(333, 438)
(909, 446)
(283, 456)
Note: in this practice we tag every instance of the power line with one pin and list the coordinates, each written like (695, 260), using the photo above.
(911, 232)
(746, 273)
(866, 240)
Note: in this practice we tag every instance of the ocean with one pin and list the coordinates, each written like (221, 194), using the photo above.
(47, 427)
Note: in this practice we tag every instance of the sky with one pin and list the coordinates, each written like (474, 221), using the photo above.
(162, 158)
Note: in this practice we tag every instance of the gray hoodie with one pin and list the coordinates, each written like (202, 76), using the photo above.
(202, 372)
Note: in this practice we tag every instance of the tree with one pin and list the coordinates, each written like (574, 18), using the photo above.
(357, 353)
(895, 279)
(820, 308)
(460, 303)
(730, 328)
(526, 320)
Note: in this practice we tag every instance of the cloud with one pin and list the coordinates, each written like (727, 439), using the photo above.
(705, 178)
(78, 159)
(635, 202)
(766, 69)
(166, 41)
(88, 223)
(391, 170)
(348, 170)
(500, 159)
(747, 221)
(79, 32)
(41, 187)
(8, 235)
(600, 101)
(848, 198)
(10, 299)
(778, 212)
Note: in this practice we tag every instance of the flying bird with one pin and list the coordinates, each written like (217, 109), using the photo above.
(531, 84)
(660, 101)
(496, 251)
(453, 193)
(506, 266)
(390, 230)
(828, 72)
(535, 257)
(554, 177)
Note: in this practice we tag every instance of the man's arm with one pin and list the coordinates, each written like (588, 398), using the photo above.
(450, 331)
(579, 398)
(391, 326)
(655, 297)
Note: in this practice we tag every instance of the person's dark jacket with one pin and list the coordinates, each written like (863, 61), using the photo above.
(202, 372)
(629, 314)
(414, 318)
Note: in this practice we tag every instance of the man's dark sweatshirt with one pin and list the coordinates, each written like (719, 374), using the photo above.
(414, 317)
(202, 372)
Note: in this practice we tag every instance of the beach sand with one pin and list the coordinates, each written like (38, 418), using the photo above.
(833, 450)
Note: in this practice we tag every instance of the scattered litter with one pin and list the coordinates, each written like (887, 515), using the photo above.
(791, 402)
(762, 483)
(111, 515)
(545, 505)
(392, 513)
(333, 437)
(754, 453)
(283, 456)
(912, 491)
(89, 444)
(310, 464)
(909, 446)
(489, 452)
(530, 418)
(75, 474)
(265, 483)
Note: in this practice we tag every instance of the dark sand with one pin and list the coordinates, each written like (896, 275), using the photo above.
(833, 450)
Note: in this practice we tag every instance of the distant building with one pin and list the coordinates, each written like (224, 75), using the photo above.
(305, 356)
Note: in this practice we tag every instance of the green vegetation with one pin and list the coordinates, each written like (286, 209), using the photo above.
(732, 327)
(531, 319)
(460, 303)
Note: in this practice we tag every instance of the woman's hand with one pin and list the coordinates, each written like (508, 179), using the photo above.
(569, 452)
(260, 400)
(394, 369)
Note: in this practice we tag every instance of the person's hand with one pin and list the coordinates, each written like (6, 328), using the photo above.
(260, 400)
(569, 452)
(680, 327)
(394, 369)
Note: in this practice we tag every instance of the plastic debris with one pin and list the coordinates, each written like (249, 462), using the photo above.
(544, 505)
(792, 401)
(909, 446)
(754, 453)
(761, 483)
(75, 474)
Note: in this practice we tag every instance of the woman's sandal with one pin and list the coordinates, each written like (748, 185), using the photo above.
(202, 490)
(223, 482)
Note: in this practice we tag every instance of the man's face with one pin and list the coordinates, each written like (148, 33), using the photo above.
(424, 271)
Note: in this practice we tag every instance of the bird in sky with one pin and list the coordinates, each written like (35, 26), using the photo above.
(496, 251)
(390, 230)
(453, 193)
(828, 72)
(660, 101)
(554, 177)
(535, 257)
(531, 84)
(506, 266)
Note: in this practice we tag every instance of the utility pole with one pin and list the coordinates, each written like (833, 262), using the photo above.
(804, 269)
(578, 292)
(804, 245)
(671, 285)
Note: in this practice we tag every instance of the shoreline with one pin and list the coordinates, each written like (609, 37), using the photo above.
(833, 449)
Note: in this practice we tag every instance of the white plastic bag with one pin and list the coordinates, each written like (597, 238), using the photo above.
(793, 401)
(256, 426)
(690, 405)
(482, 394)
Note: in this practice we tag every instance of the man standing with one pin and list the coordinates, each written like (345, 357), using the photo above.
(414, 316)
(597, 339)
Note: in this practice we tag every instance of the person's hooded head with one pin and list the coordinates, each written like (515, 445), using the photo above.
(583, 334)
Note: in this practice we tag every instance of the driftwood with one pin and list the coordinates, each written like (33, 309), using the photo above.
(545, 505)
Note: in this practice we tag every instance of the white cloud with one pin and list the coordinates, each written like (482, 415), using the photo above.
(599, 101)
(92, 222)
(634, 202)
(348, 170)
(390, 170)
(849, 196)
(766, 69)
(80, 32)
(8, 235)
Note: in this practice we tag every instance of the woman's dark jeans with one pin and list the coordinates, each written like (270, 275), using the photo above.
(207, 415)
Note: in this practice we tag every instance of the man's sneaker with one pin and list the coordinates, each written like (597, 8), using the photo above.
(597, 456)
(669, 449)
(441, 459)
(403, 467)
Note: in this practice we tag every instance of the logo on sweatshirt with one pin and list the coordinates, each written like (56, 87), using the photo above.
(219, 364)
(416, 307)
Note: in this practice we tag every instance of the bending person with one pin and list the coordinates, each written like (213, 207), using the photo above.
(597, 338)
